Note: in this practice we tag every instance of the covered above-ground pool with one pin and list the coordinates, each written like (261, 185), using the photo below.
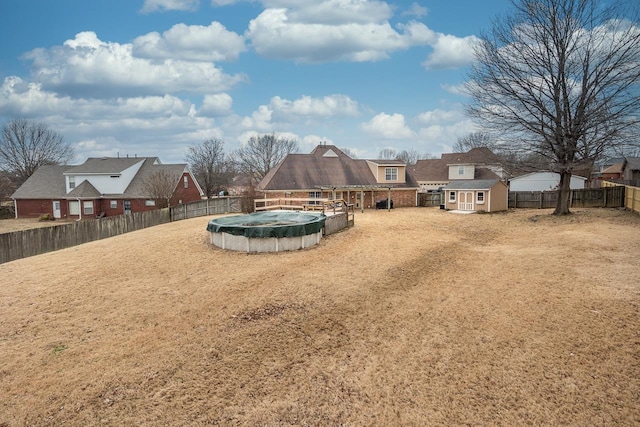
(268, 231)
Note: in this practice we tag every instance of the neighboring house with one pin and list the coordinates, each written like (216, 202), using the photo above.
(434, 174)
(327, 172)
(242, 185)
(611, 173)
(631, 171)
(100, 186)
(543, 181)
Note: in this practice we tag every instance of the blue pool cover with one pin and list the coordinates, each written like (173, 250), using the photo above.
(269, 224)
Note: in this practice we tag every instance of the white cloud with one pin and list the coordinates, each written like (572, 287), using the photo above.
(260, 119)
(439, 116)
(416, 10)
(460, 89)
(92, 67)
(216, 105)
(332, 105)
(155, 5)
(388, 126)
(191, 43)
(451, 52)
(273, 34)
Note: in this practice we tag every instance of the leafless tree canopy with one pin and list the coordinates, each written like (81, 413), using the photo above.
(387, 154)
(160, 186)
(474, 140)
(210, 166)
(7, 186)
(411, 156)
(262, 153)
(26, 145)
(560, 79)
(408, 156)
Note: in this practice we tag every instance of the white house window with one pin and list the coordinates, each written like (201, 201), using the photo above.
(88, 207)
(480, 197)
(149, 202)
(113, 204)
(461, 170)
(452, 196)
(186, 181)
(74, 208)
(72, 182)
(391, 174)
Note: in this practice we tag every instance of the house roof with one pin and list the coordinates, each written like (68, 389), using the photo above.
(326, 166)
(633, 163)
(531, 174)
(136, 188)
(472, 184)
(48, 182)
(617, 168)
(84, 191)
(437, 170)
(476, 156)
(104, 165)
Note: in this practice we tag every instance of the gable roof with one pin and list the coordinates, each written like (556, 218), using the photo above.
(632, 163)
(476, 156)
(48, 182)
(105, 165)
(325, 167)
(84, 191)
(437, 170)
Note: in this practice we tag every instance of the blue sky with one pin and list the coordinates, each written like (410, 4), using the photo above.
(151, 77)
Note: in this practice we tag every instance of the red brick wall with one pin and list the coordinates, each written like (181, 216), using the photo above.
(185, 195)
(35, 208)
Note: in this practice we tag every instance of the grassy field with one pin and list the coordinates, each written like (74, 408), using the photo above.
(412, 317)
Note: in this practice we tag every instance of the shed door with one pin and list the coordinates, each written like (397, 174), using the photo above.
(56, 209)
(465, 200)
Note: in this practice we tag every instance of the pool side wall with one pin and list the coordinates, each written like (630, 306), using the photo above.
(269, 244)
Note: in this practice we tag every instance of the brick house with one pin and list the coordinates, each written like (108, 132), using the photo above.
(100, 187)
(327, 172)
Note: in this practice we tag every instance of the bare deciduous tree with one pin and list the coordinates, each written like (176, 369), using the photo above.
(160, 186)
(210, 166)
(26, 145)
(411, 156)
(560, 79)
(474, 140)
(387, 154)
(261, 153)
(7, 186)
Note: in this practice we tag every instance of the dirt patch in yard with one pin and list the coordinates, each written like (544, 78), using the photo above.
(412, 317)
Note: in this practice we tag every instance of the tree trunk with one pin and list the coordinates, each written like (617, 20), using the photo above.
(564, 194)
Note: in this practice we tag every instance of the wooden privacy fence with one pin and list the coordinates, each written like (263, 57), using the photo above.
(35, 241)
(606, 197)
(206, 207)
(631, 195)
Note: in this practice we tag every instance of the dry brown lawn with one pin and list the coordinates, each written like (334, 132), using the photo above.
(412, 317)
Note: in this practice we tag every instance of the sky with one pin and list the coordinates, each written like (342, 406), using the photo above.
(153, 77)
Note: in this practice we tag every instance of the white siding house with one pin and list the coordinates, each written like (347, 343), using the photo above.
(543, 181)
